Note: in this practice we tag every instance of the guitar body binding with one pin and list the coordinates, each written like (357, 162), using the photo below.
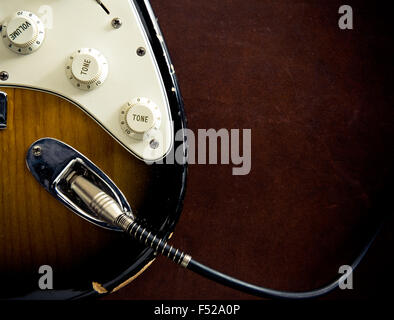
(88, 260)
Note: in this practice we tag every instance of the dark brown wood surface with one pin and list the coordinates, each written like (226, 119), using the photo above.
(319, 102)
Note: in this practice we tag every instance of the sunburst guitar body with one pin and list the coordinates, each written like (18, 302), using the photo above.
(98, 77)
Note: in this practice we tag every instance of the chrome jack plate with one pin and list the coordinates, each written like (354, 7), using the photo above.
(3, 110)
(51, 161)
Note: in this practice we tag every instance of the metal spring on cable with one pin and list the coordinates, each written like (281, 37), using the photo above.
(148, 239)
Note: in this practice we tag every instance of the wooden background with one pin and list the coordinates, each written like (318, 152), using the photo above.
(320, 105)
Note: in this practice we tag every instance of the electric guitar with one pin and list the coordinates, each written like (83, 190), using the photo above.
(98, 77)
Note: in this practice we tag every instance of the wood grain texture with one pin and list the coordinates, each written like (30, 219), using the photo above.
(320, 105)
(37, 230)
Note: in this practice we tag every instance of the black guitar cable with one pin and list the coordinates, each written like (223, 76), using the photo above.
(160, 246)
(108, 209)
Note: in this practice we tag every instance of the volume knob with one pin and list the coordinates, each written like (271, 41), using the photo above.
(23, 33)
(87, 68)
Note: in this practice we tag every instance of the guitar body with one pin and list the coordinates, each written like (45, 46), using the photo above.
(37, 230)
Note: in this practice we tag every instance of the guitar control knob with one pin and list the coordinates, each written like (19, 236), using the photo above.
(87, 69)
(140, 118)
(23, 33)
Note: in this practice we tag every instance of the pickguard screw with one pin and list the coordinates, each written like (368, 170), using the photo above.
(37, 151)
(116, 23)
(154, 144)
(4, 75)
(141, 51)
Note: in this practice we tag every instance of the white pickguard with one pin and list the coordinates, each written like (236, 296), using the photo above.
(75, 24)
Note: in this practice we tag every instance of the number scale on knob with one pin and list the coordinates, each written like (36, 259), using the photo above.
(140, 118)
(23, 33)
(87, 69)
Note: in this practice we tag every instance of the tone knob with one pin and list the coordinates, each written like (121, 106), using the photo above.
(87, 69)
(23, 33)
(140, 118)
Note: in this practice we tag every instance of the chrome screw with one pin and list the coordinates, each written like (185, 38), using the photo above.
(154, 144)
(4, 75)
(116, 23)
(141, 51)
(37, 151)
